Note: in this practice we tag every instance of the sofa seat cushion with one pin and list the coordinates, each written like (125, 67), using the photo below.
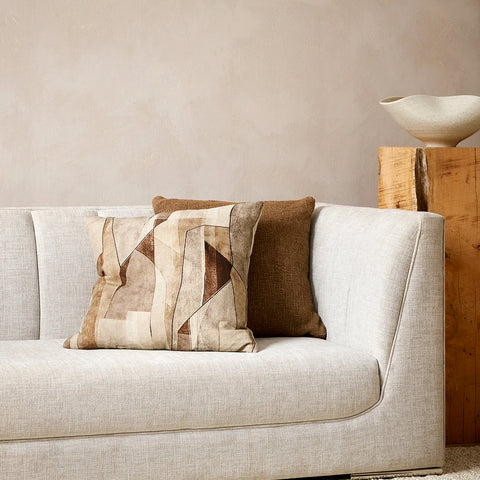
(48, 391)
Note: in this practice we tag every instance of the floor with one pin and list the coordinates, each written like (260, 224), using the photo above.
(461, 463)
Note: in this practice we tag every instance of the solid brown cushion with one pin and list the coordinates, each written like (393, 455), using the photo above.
(280, 299)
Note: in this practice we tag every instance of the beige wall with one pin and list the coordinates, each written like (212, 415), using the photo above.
(112, 102)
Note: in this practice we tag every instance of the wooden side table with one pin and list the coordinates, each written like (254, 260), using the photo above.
(447, 181)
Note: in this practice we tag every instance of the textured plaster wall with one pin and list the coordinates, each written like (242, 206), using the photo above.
(112, 102)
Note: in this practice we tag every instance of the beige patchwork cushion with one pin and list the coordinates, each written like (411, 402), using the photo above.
(175, 281)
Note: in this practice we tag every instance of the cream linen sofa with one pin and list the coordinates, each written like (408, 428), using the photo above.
(369, 399)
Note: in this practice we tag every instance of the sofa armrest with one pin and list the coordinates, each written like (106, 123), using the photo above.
(374, 272)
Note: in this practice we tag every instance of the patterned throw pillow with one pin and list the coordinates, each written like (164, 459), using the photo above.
(174, 281)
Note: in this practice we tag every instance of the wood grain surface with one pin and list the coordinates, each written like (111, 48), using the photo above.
(447, 181)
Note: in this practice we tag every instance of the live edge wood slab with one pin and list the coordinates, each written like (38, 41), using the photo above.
(447, 181)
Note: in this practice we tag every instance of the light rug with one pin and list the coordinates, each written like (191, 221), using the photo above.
(461, 463)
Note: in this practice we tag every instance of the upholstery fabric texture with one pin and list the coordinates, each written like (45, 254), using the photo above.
(279, 294)
(65, 278)
(361, 310)
(49, 391)
(19, 295)
(174, 281)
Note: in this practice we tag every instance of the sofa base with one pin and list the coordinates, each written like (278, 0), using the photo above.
(251, 453)
(402, 473)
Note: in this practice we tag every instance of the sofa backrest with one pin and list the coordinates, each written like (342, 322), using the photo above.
(19, 299)
(47, 269)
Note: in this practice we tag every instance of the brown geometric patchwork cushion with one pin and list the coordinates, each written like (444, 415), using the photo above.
(174, 281)
(280, 301)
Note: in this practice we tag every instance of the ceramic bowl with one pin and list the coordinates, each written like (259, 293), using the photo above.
(436, 121)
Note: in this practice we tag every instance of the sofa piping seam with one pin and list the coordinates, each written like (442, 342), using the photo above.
(400, 313)
(35, 239)
(397, 328)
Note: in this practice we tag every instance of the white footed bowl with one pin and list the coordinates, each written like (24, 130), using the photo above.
(436, 121)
